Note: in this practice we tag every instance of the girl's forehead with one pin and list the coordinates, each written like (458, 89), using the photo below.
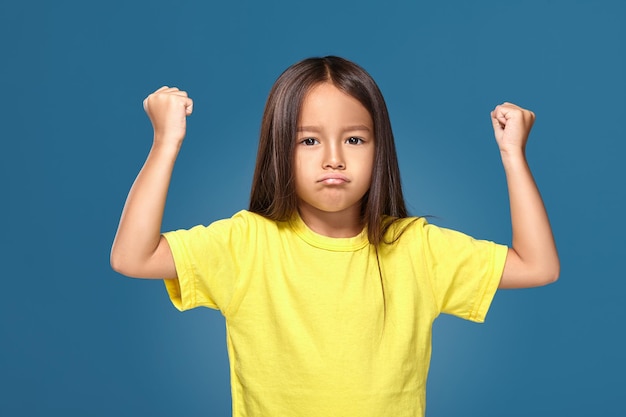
(325, 103)
(325, 90)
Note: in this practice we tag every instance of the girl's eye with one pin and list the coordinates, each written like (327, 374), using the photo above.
(309, 141)
(354, 141)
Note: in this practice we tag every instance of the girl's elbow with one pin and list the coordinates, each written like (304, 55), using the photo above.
(546, 271)
(555, 273)
(549, 275)
(120, 264)
(521, 273)
(116, 264)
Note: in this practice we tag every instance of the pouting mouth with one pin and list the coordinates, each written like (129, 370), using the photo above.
(334, 178)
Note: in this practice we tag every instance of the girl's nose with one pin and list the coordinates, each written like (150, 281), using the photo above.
(334, 158)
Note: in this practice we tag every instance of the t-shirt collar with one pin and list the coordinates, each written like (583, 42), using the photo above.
(342, 244)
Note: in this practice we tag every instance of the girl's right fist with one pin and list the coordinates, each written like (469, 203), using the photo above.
(168, 109)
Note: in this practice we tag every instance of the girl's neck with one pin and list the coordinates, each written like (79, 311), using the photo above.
(346, 223)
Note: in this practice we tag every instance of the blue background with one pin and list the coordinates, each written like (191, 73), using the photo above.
(79, 339)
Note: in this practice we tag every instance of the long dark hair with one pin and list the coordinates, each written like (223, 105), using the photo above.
(273, 192)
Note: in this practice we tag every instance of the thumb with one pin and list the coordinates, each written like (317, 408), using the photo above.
(188, 106)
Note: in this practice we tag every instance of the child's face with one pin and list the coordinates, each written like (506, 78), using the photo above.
(334, 154)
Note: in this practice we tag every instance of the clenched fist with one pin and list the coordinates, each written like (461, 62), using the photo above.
(168, 108)
(511, 125)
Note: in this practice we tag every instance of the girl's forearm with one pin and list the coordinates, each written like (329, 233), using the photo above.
(533, 258)
(139, 233)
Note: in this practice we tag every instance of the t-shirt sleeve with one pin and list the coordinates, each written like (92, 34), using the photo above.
(465, 272)
(205, 258)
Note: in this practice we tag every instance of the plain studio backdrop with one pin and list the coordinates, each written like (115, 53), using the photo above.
(80, 340)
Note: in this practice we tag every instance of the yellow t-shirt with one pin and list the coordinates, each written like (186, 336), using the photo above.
(320, 326)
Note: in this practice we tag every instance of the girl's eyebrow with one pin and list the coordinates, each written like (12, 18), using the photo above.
(345, 129)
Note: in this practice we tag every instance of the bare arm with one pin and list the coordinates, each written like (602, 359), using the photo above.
(532, 260)
(139, 250)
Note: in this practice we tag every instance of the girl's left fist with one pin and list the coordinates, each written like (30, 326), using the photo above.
(511, 126)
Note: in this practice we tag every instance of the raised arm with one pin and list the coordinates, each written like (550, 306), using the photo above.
(532, 260)
(139, 250)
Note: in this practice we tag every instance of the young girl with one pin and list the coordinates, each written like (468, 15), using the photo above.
(328, 288)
